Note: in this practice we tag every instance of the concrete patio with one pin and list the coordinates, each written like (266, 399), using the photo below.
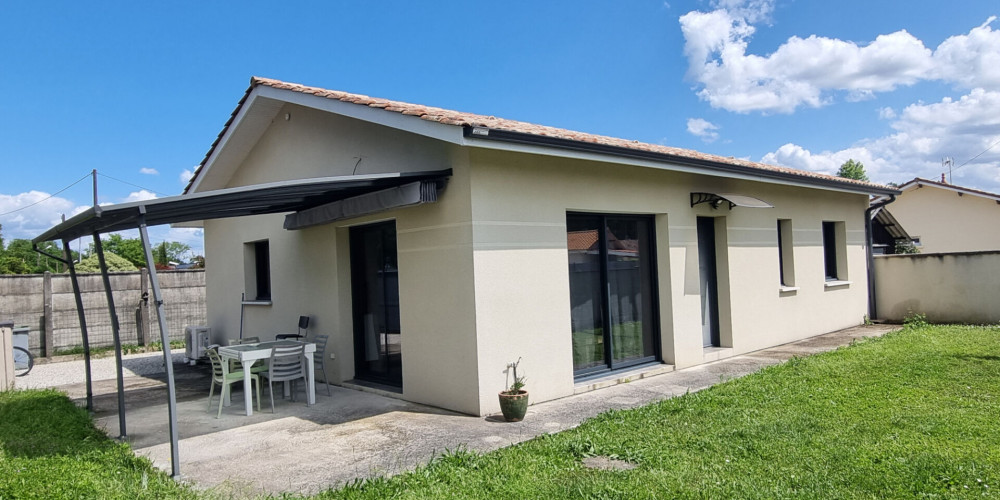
(354, 434)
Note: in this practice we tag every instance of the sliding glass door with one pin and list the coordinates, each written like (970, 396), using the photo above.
(612, 291)
(375, 288)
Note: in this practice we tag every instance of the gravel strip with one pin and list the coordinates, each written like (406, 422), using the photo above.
(73, 372)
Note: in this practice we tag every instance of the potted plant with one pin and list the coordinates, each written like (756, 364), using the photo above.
(514, 399)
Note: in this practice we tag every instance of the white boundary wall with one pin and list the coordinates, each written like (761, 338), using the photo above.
(962, 287)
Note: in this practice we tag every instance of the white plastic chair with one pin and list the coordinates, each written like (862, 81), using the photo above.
(287, 364)
(224, 377)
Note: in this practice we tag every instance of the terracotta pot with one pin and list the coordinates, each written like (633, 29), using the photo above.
(513, 406)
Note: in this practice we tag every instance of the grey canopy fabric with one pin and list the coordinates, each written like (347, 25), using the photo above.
(414, 193)
(259, 199)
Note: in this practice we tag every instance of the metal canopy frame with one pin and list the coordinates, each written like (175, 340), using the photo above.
(260, 199)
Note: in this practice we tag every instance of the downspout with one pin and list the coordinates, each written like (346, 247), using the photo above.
(872, 306)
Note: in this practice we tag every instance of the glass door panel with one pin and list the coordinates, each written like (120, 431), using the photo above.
(629, 273)
(586, 302)
(375, 289)
(612, 295)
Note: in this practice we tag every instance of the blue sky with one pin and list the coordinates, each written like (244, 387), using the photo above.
(140, 91)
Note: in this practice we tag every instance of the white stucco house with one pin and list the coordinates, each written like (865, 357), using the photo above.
(944, 217)
(588, 257)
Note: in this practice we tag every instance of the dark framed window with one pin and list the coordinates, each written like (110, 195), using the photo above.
(786, 258)
(258, 269)
(830, 245)
(612, 275)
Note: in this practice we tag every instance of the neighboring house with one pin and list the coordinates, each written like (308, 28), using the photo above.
(585, 256)
(944, 217)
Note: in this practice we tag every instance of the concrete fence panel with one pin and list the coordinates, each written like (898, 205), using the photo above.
(946, 287)
(45, 304)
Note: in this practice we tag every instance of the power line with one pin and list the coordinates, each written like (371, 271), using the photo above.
(978, 155)
(130, 184)
(47, 197)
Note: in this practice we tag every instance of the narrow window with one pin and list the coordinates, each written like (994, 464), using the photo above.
(833, 251)
(258, 270)
(786, 260)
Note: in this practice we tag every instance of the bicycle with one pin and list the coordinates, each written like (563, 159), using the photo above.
(23, 361)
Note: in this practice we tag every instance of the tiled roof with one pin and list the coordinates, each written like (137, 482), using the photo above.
(586, 240)
(457, 118)
(581, 240)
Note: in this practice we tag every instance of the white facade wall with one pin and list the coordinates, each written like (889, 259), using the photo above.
(483, 273)
(519, 207)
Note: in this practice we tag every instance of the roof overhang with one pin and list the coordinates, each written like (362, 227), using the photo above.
(890, 224)
(264, 99)
(544, 144)
(259, 199)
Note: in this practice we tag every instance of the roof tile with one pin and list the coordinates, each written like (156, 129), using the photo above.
(457, 118)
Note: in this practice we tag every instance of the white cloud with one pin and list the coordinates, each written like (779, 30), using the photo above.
(924, 134)
(186, 175)
(140, 195)
(190, 236)
(149, 171)
(702, 128)
(753, 11)
(971, 60)
(807, 71)
(886, 113)
(29, 214)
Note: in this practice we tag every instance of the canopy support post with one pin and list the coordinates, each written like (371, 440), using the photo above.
(83, 325)
(154, 282)
(115, 331)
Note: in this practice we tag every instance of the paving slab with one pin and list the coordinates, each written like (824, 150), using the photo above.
(353, 434)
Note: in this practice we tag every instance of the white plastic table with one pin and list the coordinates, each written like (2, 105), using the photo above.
(248, 354)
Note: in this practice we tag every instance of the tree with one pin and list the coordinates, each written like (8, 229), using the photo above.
(129, 248)
(13, 265)
(20, 258)
(132, 250)
(160, 254)
(853, 170)
(115, 263)
(175, 251)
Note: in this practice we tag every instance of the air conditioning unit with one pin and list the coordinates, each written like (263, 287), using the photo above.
(196, 339)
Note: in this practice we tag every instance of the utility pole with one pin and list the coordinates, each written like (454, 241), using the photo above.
(947, 162)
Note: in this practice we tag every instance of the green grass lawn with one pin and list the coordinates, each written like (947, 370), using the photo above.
(49, 448)
(913, 414)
